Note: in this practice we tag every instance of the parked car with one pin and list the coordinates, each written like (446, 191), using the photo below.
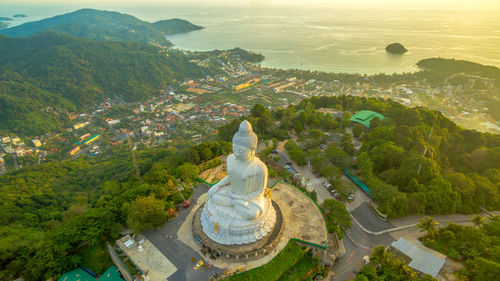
(200, 263)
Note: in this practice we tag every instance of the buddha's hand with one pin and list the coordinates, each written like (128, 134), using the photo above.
(248, 209)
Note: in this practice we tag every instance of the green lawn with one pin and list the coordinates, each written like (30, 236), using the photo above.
(308, 266)
(276, 268)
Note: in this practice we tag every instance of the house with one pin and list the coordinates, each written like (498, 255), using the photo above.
(364, 117)
(37, 142)
(19, 152)
(16, 140)
(423, 259)
(77, 275)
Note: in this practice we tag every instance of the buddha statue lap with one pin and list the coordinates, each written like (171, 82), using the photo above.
(236, 211)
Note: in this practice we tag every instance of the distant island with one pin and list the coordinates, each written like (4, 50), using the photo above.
(172, 26)
(5, 19)
(105, 26)
(396, 48)
(19, 15)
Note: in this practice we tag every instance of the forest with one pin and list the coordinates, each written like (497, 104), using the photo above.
(477, 246)
(415, 161)
(55, 212)
(440, 67)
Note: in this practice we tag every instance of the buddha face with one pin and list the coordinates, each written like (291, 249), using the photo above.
(242, 152)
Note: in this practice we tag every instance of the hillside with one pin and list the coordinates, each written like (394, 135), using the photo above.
(440, 67)
(63, 73)
(64, 211)
(409, 173)
(104, 26)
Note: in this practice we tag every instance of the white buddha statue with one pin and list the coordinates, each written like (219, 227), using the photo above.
(236, 211)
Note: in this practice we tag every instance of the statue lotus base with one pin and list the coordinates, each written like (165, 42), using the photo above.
(225, 225)
(256, 248)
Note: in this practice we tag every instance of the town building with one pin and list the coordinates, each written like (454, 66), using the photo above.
(422, 259)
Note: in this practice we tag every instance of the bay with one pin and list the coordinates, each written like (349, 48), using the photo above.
(325, 39)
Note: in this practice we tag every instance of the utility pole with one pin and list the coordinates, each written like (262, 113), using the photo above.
(426, 145)
(137, 172)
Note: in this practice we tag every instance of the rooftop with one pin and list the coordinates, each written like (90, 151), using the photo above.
(365, 116)
(421, 260)
(112, 274)
(77, 275)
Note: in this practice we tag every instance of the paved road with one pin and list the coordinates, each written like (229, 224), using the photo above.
(315, 183)
(369, 220)
(177, 252)
(357, 245)
(14, 157)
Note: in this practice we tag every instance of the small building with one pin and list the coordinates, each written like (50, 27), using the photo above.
(16, 140)
(365, 116)
(74, 151)
(37, 142)
(84, 137)
(77, 275)
(19, 152)
(421, 260)
(80, 125)
(112, 274)
(242, 86)
(92, 139)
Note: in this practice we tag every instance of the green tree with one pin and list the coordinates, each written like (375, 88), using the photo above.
(346, 144)
(146, 213)
(335, 213)
(258, 110)
(187, 172)
(338, 157)
(477, 220)
(427, 224)
(357, 130)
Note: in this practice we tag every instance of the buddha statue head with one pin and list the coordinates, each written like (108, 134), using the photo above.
(244, 142)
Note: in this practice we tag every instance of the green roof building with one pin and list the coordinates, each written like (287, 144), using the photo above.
(112, 274)
(365, 116)
(77, 275)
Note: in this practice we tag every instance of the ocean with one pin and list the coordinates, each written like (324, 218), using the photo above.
(325, 39)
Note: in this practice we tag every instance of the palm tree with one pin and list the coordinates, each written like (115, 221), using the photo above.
(427, 224)
(378, 255)
(477, 220)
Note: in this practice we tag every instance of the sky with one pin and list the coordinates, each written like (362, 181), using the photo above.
(411, 4)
